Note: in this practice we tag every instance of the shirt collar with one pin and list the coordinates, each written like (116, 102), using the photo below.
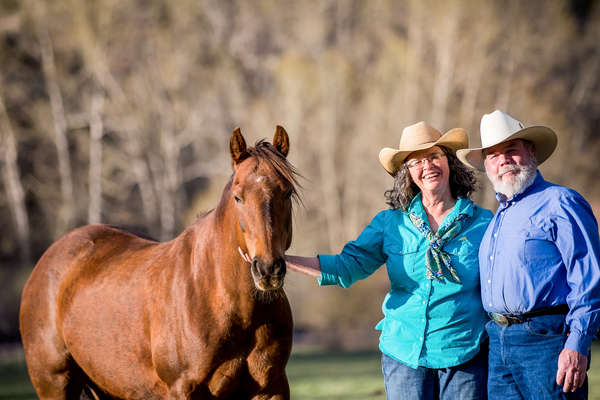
(463, 205)
(539, 180)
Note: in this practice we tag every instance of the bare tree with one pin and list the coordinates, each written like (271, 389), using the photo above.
(12, 184)
(67, 209)
(95, 169)
(97, 62)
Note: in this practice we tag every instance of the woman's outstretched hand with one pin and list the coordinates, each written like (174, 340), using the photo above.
(305, 265)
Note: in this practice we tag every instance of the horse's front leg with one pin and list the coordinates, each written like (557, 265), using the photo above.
(277, 390)
(267, 369)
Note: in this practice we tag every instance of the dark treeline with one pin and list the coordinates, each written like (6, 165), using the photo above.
(120, 112)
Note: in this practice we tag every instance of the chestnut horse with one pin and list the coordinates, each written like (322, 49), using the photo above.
(118, 316)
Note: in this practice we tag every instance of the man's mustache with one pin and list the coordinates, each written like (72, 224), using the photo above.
(508, 168)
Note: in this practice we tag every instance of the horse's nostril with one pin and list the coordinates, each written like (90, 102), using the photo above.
(279, 267)
(259, 267)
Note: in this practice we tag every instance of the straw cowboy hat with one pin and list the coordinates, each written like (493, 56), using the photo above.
(499, 127)
(421, 136)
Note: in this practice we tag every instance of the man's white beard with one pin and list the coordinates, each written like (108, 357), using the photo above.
(525, 175)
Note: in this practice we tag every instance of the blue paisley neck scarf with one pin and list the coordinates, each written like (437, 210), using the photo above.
(437, 260)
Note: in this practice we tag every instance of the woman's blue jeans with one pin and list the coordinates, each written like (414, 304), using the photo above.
(523, 360)
(465, 382)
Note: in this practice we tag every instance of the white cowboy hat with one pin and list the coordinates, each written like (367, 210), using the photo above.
(499, 127)
(421, 136)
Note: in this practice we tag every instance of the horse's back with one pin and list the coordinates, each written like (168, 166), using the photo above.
(79, 252)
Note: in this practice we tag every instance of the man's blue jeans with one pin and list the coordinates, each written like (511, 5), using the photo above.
(465, 382)
(523, 360)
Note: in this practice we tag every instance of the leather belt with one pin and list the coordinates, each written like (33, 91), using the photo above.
(511, 319)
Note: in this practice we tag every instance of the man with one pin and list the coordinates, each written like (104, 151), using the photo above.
(539, 268)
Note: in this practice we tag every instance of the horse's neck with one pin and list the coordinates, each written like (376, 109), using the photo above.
(218, 255)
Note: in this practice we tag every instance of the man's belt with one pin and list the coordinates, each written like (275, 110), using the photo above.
(511, 319)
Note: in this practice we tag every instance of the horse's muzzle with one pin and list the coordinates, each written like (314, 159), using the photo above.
(268, 276)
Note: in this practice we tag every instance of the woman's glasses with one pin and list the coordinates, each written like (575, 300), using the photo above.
(433, 158)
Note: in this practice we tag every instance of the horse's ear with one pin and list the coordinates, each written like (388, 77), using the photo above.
(237, 146)
(281, 141)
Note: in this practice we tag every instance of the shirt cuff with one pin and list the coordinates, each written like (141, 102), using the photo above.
(328, 276)
(579, 342)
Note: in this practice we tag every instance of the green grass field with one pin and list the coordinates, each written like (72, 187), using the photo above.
(312, 376)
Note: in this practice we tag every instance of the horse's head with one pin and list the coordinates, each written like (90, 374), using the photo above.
(262, 188)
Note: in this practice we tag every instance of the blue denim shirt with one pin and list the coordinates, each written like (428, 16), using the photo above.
(429, 323)
(541, 250)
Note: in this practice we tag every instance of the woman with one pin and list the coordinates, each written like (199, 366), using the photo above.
(433, 331)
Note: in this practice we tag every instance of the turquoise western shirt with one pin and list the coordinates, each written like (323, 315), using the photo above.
(427, 323)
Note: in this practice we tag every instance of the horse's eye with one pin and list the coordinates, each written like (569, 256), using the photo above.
(238, 200)
(288, 194)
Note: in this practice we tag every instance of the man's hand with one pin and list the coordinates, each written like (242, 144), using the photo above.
(571, 370)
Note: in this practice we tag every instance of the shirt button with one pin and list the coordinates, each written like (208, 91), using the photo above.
(490, 304)
(501, 212)
(421, 338)
(495, 235)
(423, 302)
(427, 285)
(489, 281)
(491, 257)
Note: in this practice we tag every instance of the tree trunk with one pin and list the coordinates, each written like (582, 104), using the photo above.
(330, 146)
(67, 209)
(95, 171)
(13, 185)
(169, 178)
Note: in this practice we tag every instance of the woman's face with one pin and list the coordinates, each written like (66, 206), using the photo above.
(429, 169)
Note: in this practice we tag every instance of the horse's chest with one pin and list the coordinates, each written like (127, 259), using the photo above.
(227, 360)
(229, 356)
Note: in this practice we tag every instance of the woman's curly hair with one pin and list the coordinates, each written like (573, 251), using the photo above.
(462, 183)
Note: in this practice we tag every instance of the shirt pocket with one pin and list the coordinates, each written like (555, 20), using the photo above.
(401, 263)
(539, 251)
(464, 257)
(461, 247)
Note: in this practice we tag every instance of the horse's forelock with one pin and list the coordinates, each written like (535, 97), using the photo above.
(264, 151)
